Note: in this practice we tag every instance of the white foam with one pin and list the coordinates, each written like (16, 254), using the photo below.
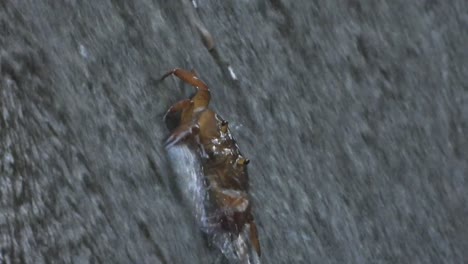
(190, 179)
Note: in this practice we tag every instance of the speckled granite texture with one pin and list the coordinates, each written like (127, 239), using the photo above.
(354, 115)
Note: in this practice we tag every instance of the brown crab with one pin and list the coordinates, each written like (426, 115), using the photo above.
(223, 166)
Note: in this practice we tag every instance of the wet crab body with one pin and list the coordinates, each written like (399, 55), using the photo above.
(229, 210)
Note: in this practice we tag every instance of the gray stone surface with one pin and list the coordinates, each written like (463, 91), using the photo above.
(353, 113)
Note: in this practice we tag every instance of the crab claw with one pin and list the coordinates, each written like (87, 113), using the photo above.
(203, 96)
(179, 106)
(180, 134)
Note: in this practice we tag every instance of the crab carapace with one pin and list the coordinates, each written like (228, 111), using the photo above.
(229, 209)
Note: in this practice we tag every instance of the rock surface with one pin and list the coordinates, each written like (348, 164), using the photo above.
(354, 115)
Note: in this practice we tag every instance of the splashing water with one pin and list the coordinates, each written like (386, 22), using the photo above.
(190, 178)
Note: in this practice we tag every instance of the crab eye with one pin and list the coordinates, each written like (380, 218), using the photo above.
(243, 161)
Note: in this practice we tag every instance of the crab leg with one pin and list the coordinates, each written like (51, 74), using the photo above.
(182, 132)
(202, 97)
(254, 237)
(177, 107)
